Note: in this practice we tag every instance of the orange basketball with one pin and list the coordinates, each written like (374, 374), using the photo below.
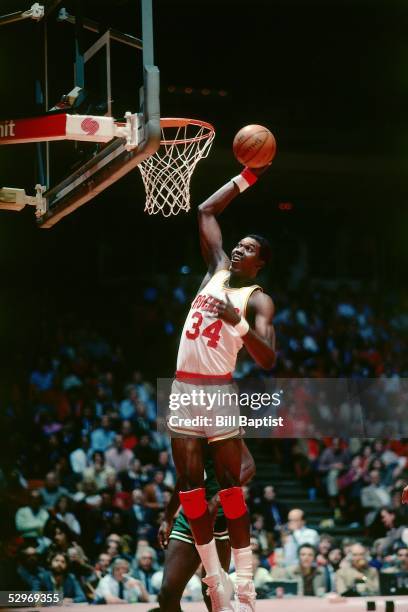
(254, 146)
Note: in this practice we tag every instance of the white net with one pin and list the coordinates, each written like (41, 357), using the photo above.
(166, 174)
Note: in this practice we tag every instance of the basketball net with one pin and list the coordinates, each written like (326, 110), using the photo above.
(166, 174)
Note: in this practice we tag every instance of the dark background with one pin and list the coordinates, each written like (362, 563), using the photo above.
(328, 78)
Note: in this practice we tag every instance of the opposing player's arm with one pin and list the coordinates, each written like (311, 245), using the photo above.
(210, 231)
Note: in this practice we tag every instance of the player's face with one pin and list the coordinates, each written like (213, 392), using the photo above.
(245, 259)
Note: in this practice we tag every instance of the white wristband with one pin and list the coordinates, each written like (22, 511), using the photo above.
(240, 182)
(242, 327)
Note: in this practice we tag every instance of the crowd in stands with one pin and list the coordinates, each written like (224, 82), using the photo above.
(85, 476)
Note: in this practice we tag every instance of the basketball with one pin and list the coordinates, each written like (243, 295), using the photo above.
(254, 146)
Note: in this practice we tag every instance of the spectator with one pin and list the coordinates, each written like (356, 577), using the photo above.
(399, 562)
(374, 497)
(80, 458)
(62, 538)
(258, 530)
(143, 567)
(324, 546)
(29, 570)
(294, 534)
(118, 457)
(311, 579)
(332, 461)
(145, 453)
(52, 490)
(168, 470)
(138, 513)
(129, 438)
(30, 520)
(154, 492)
(59, 580)
(102, 565)
(98, 470)
(118, 587)
(127, 408)
(102, 437)
(134, 477)
(275, 513)
(359, 578)
(335, 558)
(61, 512)
(395, 525)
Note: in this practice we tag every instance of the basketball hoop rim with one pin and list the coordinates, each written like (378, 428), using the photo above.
(179, 122)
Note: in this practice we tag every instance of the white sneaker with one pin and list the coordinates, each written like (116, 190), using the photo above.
(246, 595)
(219, 590)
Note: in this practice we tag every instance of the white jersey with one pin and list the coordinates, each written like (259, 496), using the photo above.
(208, 345)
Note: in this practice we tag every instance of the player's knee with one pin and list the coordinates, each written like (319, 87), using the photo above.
(233, 502)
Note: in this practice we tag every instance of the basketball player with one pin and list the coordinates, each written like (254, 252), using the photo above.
(182, 559)
(229, 312)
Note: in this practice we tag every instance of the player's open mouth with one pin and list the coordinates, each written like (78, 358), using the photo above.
(236, 258)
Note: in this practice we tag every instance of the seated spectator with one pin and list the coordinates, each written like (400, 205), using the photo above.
(311, 579)
(102, 565)
(128, 435)
(258, 530)
(59, 580)
(127, 407)
(102, 437)
(332, 461)
(118, 587)
(29, 569)
(294, 534)
(118, 457)
(359, 578)
(61, 512)
(138, 513)
(30, 520)
(400, 561)
(62, 538)
(145, 453)
(80, 458)
(275, 513)
(324, 546)
(168, 469)
(52, 490)
(395, 524)
(143, 567)
(134, 478)
(334, 559)
(374, 497)
(98, 470)
(154, 491)
(87, 493)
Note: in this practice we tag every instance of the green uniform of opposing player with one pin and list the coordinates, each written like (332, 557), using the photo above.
(182, 559)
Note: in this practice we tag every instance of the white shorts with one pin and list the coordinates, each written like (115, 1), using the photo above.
(205, 410)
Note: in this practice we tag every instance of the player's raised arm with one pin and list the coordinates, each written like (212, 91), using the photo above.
(210, 231)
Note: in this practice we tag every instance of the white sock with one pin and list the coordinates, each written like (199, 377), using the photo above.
(209, 557)
(243, 563)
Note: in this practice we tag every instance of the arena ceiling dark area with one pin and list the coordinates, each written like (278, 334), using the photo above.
(330, 80)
